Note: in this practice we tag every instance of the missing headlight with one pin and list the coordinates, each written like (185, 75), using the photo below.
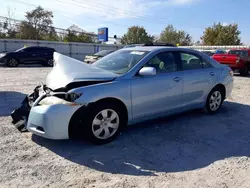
(70, 97)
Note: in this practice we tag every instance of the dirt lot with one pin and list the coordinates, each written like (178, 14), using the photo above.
(189, 150)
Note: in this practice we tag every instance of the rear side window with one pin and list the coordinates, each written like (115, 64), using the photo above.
(191, 61)
(241, 53)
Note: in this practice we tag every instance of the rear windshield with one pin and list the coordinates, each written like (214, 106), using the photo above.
(220, 52)
(120, 61)
(241, 53)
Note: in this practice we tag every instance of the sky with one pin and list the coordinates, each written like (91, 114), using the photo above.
(193, 16)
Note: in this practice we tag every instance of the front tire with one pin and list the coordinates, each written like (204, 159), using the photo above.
(12, 62)
(214, 100)
(100, 123)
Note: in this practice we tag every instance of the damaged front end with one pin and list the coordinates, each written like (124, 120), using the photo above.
(42, 95)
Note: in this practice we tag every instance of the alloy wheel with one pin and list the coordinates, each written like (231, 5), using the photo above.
(215, 100)
(13, 63)
(105, 124)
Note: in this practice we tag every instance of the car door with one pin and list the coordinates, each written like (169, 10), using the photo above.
(162, 92)
(29, 55)
(199, 76)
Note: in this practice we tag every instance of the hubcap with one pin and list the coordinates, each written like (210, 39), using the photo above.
(13, 63)
(215, 101)
(105, 124)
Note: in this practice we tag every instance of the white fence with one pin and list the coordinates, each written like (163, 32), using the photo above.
(72, 49)
(79, 50)
(215, 47)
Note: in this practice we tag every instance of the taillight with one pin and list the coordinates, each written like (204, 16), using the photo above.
(238, 60)
(231, 72)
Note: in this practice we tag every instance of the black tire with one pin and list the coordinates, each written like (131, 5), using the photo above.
(84, 128)
(244, 71)
(208, 107)
(49, 62)
(12, 62)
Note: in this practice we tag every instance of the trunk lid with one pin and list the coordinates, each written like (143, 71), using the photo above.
(67, 70)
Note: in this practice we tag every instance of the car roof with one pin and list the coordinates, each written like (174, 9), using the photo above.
(156, 48)
(149, 48)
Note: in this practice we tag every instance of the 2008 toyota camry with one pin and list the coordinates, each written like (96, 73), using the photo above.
(125, 87)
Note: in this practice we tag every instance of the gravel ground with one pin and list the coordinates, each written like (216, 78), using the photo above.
(189, 150)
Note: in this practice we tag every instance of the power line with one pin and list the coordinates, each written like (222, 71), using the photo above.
(102, 8)
(127, 12)
(133, 14)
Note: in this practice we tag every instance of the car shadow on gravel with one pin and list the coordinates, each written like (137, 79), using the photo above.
(178, 143)
(10, 100)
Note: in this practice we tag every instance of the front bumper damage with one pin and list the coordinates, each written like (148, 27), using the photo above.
(20, 115)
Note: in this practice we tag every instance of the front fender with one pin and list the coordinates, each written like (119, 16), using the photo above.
(120, 90)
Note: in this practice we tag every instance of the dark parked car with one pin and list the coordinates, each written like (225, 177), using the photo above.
(93, 58)
(28, 55)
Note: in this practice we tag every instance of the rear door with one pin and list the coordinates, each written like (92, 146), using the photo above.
(47, 53)
(199, 77)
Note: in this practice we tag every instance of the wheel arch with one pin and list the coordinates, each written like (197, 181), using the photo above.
(84, 110)
(223, 89)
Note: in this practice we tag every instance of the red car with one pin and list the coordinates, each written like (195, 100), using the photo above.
(237, 59)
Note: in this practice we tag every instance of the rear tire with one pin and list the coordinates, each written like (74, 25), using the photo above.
(12, 62)
(214, 100)
(244, 71)
(49, 63)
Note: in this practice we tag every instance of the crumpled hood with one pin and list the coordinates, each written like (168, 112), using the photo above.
(67, 70)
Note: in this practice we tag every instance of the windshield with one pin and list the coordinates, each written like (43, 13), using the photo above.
(120, 61)
(132, 45)
(103, 52)
(241, 53)
(18, 50)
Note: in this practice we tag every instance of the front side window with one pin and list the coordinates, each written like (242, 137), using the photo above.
(163, 62)
(121, 61)
(191, 62)
(30, 49)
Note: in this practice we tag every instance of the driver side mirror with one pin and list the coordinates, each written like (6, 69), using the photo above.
(147, 71)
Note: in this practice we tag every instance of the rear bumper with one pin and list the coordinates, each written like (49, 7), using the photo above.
(229, 88)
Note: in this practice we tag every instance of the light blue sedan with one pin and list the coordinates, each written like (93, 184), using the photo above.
(128, 86)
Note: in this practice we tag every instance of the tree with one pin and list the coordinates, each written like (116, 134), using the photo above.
(76, 34)
(136, 35)
(174, 36)
(8, 29)
(220, 34)
(41, 22)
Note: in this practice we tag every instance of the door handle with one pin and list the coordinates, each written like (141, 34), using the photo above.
(177, 79)
(33, 54)
(211, 73)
